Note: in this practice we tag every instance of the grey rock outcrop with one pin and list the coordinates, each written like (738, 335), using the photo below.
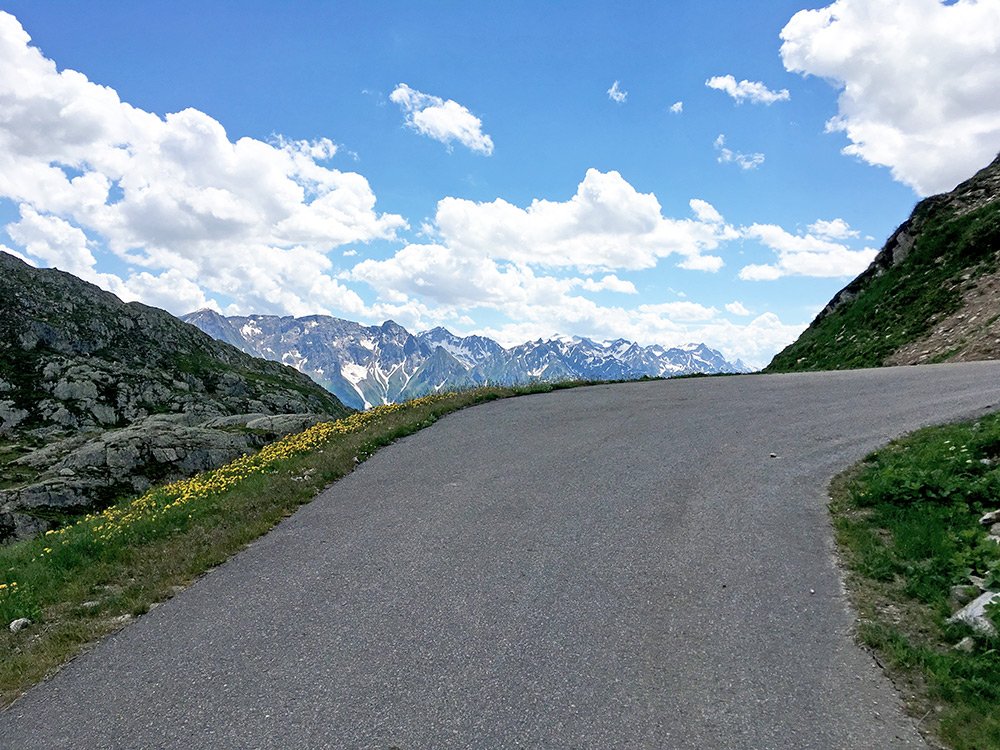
(99, 398)
(973, 614)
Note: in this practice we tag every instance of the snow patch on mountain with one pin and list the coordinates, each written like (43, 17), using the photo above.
(366, 365)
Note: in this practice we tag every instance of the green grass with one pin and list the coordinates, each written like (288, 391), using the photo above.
(905, 301)
(78, 582)
(906, 521)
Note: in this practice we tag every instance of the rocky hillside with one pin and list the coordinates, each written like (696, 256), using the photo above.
(930, 295)
(99, 398)
(368, 365)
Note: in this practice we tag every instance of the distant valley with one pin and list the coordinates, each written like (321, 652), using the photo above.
(368, 365)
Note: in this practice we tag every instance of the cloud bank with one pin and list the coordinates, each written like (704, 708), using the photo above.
(172, 195)
(196, 218)
(918, 82)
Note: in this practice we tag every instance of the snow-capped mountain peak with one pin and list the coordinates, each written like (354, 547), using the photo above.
(369, 365)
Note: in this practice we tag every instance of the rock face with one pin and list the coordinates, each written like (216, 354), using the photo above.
(931, 294)
(368, 365)
(100, 398)
(974, 613)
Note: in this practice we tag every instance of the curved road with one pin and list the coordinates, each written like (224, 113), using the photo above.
(613, 566)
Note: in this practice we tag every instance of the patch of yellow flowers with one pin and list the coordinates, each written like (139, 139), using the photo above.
(155, 504)
(7, 591)
(161, 500)
(99, 531)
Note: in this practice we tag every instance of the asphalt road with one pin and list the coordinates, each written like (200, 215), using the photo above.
(606, 567)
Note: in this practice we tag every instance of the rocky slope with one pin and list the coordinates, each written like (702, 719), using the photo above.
(368, 365)
(930, 295)
(99, 398)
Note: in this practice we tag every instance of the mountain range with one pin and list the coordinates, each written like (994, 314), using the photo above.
(368, 365)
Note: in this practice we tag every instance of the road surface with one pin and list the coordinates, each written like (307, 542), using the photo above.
(612, 566)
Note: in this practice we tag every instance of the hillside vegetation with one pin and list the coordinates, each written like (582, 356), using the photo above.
(917, 527)
(929, 296)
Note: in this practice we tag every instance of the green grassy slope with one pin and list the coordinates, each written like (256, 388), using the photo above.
(956, 238)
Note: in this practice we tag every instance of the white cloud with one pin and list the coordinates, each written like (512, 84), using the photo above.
(444, 121)
(756, 342)
(61, 245)
(837, 229)
(425, 285)
(680, 311)
(54, 241)
(754, 91)
(705, 211)
(615, 94)
(736, 308)
(171, 290)
(607, 224)
(448, 276)
(806, 255)
(610, 283)
(173, 195)
(519, 263)
(918, 82)
(746, 161)
(677, 107)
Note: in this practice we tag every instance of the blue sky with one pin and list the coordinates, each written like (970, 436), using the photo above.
(664, 172)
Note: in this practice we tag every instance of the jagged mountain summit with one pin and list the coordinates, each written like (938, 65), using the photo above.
(368, 365)
(932, 294)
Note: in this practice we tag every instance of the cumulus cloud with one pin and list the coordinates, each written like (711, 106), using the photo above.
(59, 244)
(615, 94)
(169, 289)
(677, 107)
(752, 91)
(533, 265)
(803, 255)
(610, 283)
(918, 82)
(755, 342)
(680, 311)
(705, 211)
(172, 195)
(745, 161)
(736, 308)
(444, 121)
(837, 229)
(606, 224)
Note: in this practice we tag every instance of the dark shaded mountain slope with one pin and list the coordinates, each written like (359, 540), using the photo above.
(99, 398)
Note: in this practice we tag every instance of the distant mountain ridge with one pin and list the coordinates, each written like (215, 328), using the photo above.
(368, 365)
(932, 294)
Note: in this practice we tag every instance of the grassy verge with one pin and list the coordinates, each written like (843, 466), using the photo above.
(907, 526)
(86, 579)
